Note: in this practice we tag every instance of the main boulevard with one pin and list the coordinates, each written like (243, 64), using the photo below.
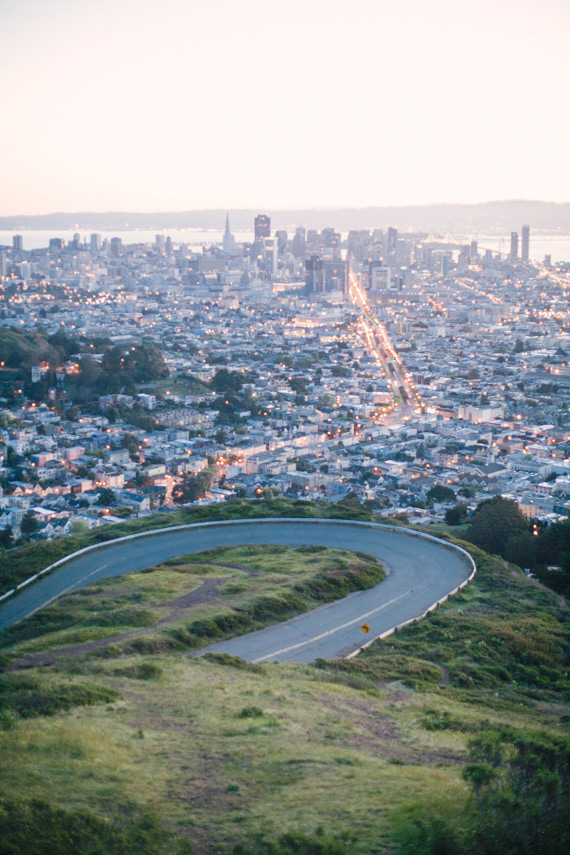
(421, 570)
(407, 401)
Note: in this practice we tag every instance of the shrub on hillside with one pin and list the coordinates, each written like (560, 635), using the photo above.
(37, 828)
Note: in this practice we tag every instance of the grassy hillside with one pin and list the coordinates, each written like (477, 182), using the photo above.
(217, 753)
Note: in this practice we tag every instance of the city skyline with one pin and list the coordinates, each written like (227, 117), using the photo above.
(125, 108)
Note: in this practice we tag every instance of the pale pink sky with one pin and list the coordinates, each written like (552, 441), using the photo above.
(182, 104)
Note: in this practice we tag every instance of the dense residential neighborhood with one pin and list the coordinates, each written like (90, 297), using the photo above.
(402, 371)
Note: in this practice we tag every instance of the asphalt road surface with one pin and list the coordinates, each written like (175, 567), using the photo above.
(421, 571)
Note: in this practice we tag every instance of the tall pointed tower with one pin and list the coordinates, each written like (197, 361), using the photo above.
(228, 242)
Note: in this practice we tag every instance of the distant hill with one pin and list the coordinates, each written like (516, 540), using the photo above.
(502, 216)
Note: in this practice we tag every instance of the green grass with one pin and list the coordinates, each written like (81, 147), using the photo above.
(503, 639)
(277, 582)
(301, 752)
(180, 384)
(414, 672)
(26, 696)
(457, 531)
(37, 828)
(220, 751)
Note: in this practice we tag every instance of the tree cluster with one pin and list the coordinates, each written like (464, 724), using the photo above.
(494, 523)
(118, 371)
(456, 515)
(193, 487)
(499, 527)
(227, 382)
(440, 493)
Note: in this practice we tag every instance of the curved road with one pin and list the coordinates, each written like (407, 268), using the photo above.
(422, 570)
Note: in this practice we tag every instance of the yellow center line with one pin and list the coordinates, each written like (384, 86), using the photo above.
(357, 620)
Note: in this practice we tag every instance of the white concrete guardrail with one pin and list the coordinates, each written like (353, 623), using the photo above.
(427, 613)
(431, 609)
(273, 520)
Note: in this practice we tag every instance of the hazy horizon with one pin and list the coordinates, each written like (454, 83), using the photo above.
(499, 218)
(285, 209)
